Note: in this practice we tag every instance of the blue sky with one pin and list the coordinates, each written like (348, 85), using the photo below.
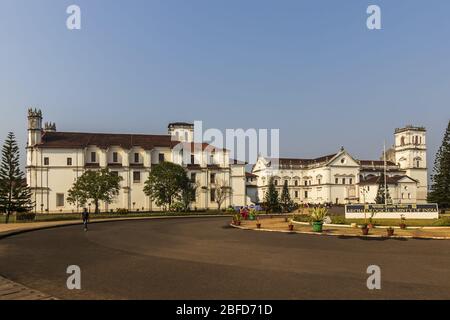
(310, 68)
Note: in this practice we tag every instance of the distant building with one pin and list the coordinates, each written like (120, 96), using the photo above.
(56, 159)
(341, 179)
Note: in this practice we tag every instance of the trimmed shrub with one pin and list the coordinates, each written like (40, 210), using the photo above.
(25, 216)
(338, 220)
(442, 222)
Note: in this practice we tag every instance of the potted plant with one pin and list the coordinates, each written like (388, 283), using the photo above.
(253, 214)
(317, 216)
(402, 222)
(390, 231)
(364, 229)
(291, 226)
(237, 219)
(370, 225)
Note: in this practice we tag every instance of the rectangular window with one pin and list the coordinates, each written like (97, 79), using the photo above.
(46, 161)
(275, 182)
(306, 194)
(296, 194)
(69, 161)
(136, 176)
(213, 195)
(336, 180)
(343, 180)
(296, 183)
(193, 177)
(115, 157)
(192, 159)
(212, 178)
(351, 181)
(306, 183)
(60, 199)
(318, 181)
(136, 158)
(161, 157)
(93, 157)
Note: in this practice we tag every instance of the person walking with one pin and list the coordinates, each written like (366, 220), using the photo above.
(85, 216)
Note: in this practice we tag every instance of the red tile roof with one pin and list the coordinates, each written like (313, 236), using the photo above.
(75, 140)
(250, 175)
(376, 180)
(297, 162)
(375, 163)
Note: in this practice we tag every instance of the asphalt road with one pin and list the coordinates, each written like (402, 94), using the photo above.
(206, 259)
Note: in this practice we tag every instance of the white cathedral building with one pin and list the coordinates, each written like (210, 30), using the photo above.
(340, 178)
(56, 159)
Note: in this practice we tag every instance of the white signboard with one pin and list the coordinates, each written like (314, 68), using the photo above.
(395, 211)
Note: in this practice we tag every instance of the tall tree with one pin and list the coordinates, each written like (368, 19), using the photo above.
(271, 197)
(285, 199)
(187, 194)
(165, 184)
(440, 179)
(380, 198)
(15, 195)
(95, 186)
(221, 193)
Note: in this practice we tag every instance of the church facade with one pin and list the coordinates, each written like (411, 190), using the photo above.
(56, 159)
(340, 178)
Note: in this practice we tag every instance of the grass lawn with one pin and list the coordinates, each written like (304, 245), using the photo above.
(443, 221)
(277, 224)
(409, 222)
(77, 216)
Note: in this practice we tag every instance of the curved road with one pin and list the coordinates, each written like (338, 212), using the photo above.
(203, 258)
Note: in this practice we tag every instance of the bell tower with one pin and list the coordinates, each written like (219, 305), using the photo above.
(411, 155)
(181, 131)
(34, 127)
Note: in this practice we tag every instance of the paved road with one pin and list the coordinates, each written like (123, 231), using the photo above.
(205, 259)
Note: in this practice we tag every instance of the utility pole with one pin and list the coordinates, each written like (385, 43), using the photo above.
(385, 177)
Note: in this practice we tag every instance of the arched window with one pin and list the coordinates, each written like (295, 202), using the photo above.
(402, 141)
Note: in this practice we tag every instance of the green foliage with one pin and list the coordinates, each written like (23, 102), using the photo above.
(338, 220)
(318, 214)
(442, 222)
(94, 186)
(302, 218)
(231, 210)
(380, 198)
(22, 217)
(271, 199)
(440, 179)
(253, 214)
(167, 184)
(15, 195)
(187, 195)
(285, 200)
